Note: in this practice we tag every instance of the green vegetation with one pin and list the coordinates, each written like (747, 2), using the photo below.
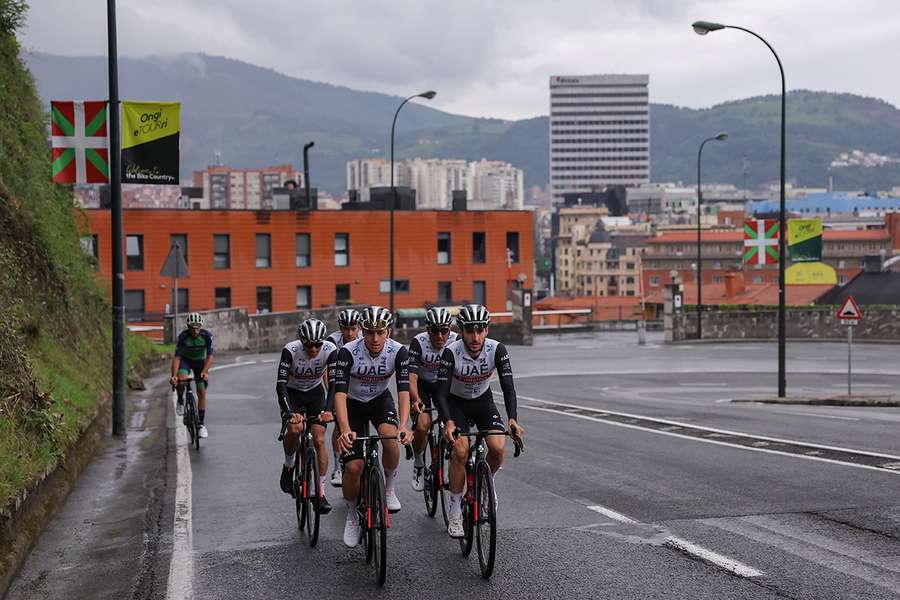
(55, 337)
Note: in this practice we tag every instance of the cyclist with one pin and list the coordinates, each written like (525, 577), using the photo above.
(464, 397)
(193, 353)
(363, 371)
(348, 330)
(301, 389)
(424, 359)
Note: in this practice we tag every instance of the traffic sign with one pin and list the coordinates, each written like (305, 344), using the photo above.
(175, 265)
(849, 313)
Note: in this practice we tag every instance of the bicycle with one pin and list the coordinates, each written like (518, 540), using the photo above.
(434, 469)
(479, 505)
(307, 495)
(371, 507)
(190, 419)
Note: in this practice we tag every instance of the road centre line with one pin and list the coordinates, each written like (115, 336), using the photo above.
(803, 414)
(232, 365)
(709, 370)
(723, 562)
(181, 564)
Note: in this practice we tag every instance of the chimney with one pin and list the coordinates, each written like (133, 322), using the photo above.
(734, 284)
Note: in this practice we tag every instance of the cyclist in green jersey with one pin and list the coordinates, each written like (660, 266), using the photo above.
(193, 353)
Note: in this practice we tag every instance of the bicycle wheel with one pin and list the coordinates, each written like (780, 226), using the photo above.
(365, 522)
(465, 542)
(431, 491)
(190, 416)
(312, 496)
(299, 504)
(378, 531)
(195, 419)
(443, 479)
(485, 519)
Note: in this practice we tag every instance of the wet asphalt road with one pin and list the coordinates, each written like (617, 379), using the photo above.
(811, 529)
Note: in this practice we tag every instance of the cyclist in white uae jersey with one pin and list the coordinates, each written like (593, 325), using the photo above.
(465, 398)
(424, 359)
(301, 391)
(363, 371)
(348, 330)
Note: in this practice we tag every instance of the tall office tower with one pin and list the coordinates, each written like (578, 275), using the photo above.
(599, 132)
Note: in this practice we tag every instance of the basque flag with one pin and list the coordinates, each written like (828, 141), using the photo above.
(80, 142)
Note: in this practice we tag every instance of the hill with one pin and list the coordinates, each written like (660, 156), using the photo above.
(256, 116)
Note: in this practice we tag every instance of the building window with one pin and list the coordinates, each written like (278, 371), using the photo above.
(341, 249)
(223, 297)
(445, 292)
(512, 245)
(401, 286)
(134, 305)
(654, 280)
(479, 249)
(263, 250)
(718, 279)
(182, 298)
(182, 240)
(443, 248)
(221, 251)
(263, 299)
(89, 245)
(302, 243)
(304, 296)
(479, 292)
(134, 252)
(342, 293)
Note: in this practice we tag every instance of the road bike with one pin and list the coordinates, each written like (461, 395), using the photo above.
(371, 507)
(190, 418)
(435, 467)
(305, 484)
(479, 505)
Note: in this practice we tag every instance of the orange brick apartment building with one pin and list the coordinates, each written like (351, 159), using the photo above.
(285, 260)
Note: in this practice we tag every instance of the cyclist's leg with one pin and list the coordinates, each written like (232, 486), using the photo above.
(383, 415)
(316, 404)
(488, 417)
(291, 439)
(459, 416)
(184, 370)
(423, 423)
(197, 368)
(358, 418)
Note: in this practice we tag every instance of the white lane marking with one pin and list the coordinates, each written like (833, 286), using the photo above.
(232, 365)
(712, 429)
(723, 400)
(809, 414)
(723, 562)
(717, 442)
(181, 564)
(709, 384)
(710, 369)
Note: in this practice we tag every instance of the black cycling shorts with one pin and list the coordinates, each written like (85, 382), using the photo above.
(377, 411)
(308, 403)
(480, 411)
(427, 392)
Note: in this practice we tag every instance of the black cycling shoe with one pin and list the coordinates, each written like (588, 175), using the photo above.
(323, 507)
(287, 480)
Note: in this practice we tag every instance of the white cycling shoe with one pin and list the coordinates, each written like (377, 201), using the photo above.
(393, 503)
(337, 477)
(179, 408)
(418, 479)
(351, 529)
(202, 432)
(455, 526)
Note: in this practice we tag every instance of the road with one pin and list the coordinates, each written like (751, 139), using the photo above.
(592, 509)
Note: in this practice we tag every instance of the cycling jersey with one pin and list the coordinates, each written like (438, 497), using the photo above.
(363, 376)
(424, 358)
(297, 371)
(337, 338)
(465, 378)
(193, 348)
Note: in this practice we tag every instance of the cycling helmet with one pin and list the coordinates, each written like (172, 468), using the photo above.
(312, 330)
(376, 317)
(438, 317)
(348, 317)
(195, 320)
(473, 314)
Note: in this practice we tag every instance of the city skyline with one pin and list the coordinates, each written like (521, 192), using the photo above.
(484, 61)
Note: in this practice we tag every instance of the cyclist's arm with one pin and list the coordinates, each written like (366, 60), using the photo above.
(328, 380)
(284, 368)
(415, 357)
(342, 366)
(209, 353)
(401, 374)
(504, 372)
(445, 374)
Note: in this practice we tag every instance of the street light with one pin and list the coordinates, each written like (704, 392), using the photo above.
(428, 96)
(719, 138)
(702, 28)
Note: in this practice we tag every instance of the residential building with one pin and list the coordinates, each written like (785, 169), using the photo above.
(238, 188)
(435, 179)
(599, 132)
(495, 185)
(282, 260)
(366, 173)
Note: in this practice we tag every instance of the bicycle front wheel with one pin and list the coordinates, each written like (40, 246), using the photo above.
(468, 516)
(431, 485)
(443, 477)
(311, 497)
(485, 519)
(378, 529)
(299, 504)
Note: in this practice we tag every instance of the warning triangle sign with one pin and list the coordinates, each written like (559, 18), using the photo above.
(849, 310)
(175, 265)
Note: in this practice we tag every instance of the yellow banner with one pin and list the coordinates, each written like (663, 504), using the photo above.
(812, 273)
(144, 122)
(800, 230)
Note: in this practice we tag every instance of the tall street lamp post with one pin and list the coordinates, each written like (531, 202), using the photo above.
(702, 28)
(719, 138)
(428, 96)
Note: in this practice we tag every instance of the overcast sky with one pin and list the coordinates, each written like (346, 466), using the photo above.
(493, 58)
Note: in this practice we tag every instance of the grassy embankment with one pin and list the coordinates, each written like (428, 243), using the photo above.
(54, 319)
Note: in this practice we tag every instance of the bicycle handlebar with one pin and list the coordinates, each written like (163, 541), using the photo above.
(518, 443)
(286, 420)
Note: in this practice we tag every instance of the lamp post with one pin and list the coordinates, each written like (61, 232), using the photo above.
(719, 138)
(702, 28)
(428, 96)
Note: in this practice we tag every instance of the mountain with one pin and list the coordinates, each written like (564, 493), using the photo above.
(255, 117)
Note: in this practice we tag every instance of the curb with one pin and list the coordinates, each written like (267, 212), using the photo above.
(863, 401)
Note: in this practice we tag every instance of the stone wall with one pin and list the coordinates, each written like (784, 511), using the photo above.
(801, 324)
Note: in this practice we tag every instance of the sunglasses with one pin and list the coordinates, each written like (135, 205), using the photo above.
(474, 328)
(439, 330)
(312, 344)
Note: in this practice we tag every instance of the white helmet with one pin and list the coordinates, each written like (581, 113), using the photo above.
(348, 317)
(438, 317)
(195, 319)
(473, 314)
(312, 330)
(376, 317)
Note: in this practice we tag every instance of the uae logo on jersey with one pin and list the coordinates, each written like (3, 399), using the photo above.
(80, 142)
